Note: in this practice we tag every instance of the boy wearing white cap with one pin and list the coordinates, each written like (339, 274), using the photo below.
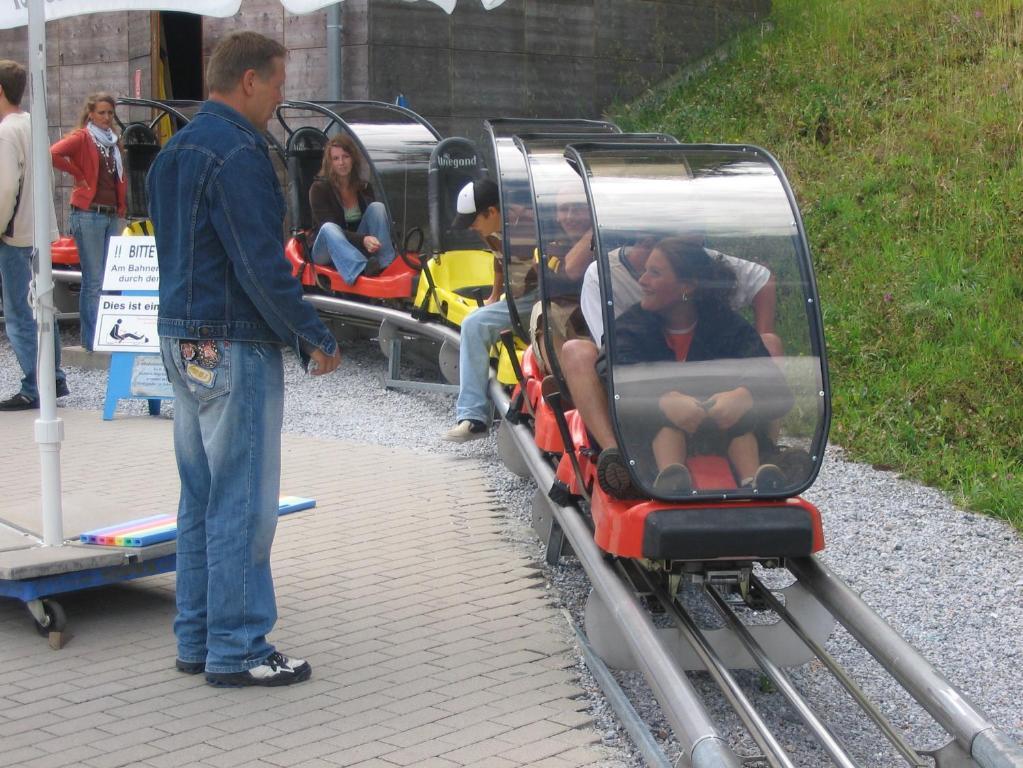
(479, 209)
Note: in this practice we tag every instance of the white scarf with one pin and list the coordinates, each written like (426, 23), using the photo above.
(106, 142)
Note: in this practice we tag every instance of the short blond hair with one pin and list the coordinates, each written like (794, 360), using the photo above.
(236, 54)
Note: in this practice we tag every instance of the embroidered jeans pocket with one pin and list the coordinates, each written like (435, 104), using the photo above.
(206, 367)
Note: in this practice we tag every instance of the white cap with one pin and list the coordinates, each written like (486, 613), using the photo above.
(466, 199)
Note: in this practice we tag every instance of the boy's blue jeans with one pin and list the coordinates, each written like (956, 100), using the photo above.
(16, 274)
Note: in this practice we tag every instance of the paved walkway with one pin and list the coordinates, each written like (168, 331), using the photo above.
(431, 640)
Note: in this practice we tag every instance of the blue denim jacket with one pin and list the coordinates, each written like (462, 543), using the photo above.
(218, 213)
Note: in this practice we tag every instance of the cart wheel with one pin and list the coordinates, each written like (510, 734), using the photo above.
(54, 618)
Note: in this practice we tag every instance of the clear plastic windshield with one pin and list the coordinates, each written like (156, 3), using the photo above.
(519, 244)
(565, 231)
(713, 351)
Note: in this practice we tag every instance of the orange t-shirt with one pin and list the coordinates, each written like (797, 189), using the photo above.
(679, 343)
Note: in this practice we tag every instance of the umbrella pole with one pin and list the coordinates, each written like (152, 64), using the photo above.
(49, 430)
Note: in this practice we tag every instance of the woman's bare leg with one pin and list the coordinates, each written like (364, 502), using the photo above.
(669, 447)
(744, 454)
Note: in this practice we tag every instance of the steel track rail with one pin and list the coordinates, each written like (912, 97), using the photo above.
(703, 746)
(818, 650)
(772, 750)
(980, 739)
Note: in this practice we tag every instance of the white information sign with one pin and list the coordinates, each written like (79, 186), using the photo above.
(127, 324)
(131, 265)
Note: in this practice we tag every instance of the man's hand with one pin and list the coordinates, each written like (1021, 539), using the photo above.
(371, 244)
(683, 411)
(320, 362)
(726, 408)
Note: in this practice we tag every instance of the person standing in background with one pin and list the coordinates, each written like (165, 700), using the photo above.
(91, 155)
(17, 227)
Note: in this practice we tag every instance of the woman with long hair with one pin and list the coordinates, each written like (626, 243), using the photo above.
(684, 316)
(92, 157)
(350, 230)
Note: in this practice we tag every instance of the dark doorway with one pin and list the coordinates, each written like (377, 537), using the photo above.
(181, 56)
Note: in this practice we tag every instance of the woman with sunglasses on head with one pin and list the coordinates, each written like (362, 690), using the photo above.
(92, 157)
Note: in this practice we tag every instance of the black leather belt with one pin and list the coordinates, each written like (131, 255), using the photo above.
(107, 209)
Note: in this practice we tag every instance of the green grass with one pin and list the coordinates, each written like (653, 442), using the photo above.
(900, 126)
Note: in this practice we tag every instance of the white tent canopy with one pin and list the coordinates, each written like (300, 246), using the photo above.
(15, 14)
(49, 430)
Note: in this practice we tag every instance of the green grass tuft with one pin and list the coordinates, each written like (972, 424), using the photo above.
(900, 126)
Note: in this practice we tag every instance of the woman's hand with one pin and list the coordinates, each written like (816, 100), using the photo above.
(726, 408)
(371, 244)
(683, 411)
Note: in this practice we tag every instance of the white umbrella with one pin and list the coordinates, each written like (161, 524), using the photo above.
(49, 429)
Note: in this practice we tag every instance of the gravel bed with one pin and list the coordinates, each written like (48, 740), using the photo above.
(948, 580)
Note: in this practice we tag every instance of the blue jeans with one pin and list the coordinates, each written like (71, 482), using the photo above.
(92, 232)
(332, 246)
(16, 273)
(481, 329)
(228, 415)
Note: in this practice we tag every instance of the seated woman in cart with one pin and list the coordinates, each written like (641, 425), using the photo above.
(683, 317)
(350, 230)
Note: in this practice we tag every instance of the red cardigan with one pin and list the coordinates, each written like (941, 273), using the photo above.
(77, 154)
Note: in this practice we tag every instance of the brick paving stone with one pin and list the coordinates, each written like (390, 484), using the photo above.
(22, 754)
(299, 754)
(529, 754)
(484, 729)
(412, 736)
(239, 756)
(492, 762)
(480, 750)
(73, 756)
(180, 757)
(361, 753)
(124, 757)
(477, 666)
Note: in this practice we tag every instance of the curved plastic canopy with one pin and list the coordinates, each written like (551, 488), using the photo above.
(564, 231)
(512, 176)
(715, 226)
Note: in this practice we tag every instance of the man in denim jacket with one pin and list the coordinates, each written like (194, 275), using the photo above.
(228, 304)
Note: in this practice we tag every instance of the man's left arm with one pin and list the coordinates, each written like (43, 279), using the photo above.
(244, 212)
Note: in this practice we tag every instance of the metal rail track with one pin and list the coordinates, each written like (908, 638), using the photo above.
(976, 740)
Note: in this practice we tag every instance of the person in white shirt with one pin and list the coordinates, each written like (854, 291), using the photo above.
(16, 225)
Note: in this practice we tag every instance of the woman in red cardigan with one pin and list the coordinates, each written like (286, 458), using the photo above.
(91, 155)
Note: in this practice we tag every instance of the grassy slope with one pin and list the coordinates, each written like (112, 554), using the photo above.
(900, 126)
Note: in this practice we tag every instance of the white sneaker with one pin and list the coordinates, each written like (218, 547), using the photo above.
(276, 669)
(467, 429)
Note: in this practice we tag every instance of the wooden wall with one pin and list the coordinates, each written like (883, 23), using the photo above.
(527, 58)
